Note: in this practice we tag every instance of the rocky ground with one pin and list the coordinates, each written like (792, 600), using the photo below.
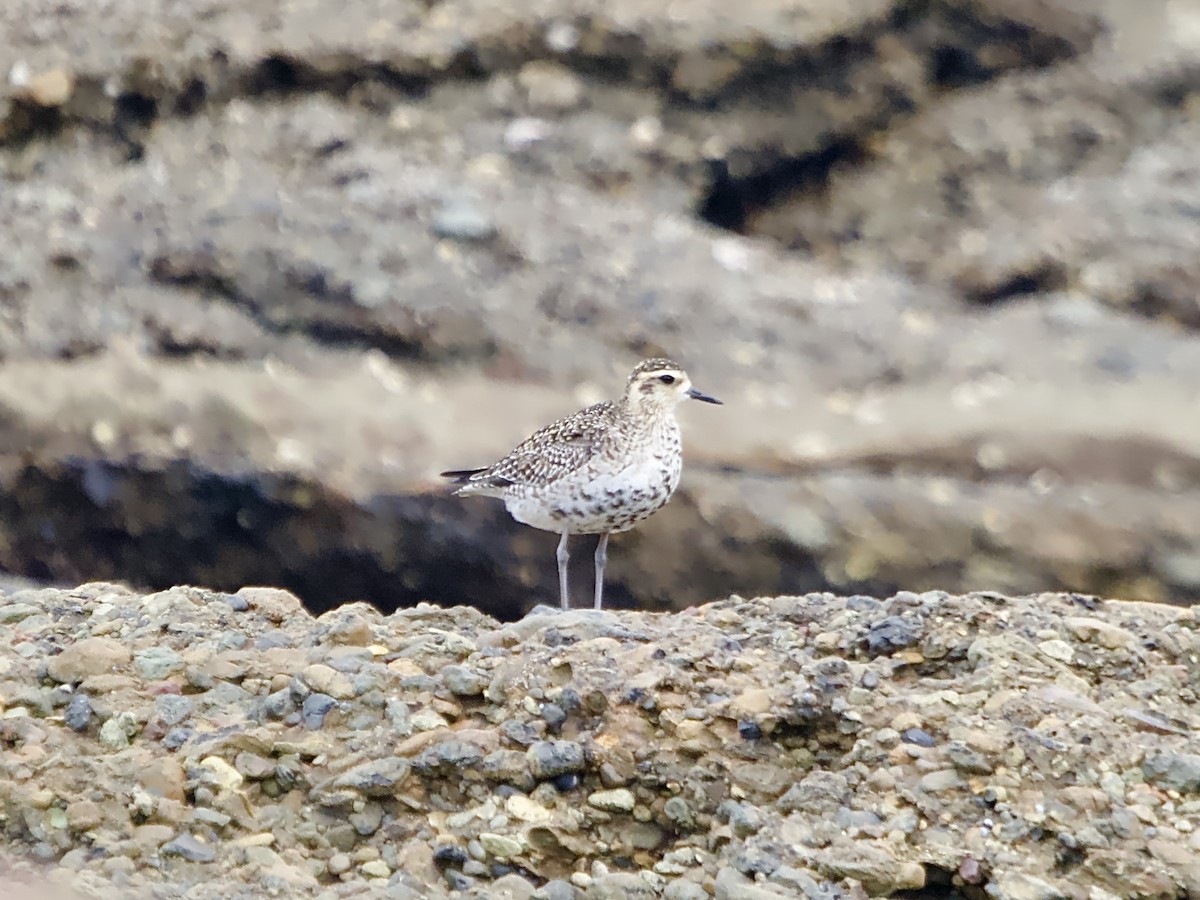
(268, 269)
(198, 744)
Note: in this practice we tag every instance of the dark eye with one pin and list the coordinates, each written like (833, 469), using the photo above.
(667, 379)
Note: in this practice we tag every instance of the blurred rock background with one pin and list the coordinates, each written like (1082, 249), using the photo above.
(268, 268)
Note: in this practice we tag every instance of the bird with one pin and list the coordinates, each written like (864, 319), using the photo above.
(600, 471)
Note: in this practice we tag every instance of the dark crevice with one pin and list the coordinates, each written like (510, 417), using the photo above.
(945, 884)
(1048, 278)
(731, 202)
(161, 526)
(192, 272)
(960, 51)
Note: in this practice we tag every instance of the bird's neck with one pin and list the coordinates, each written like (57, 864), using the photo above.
(650, 417)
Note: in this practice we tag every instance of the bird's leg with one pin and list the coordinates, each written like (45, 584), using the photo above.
(562, 555)
(601, 559)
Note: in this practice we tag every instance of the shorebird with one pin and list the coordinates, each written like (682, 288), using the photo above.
(599, 471)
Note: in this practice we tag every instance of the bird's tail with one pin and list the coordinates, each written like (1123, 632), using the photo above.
(461, 476)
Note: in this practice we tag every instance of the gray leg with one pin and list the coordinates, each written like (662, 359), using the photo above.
(601, 559)
(563, 556)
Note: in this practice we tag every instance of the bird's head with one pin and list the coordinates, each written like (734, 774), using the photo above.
(660, 384)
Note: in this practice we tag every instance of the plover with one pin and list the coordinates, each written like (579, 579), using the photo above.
(600, 471)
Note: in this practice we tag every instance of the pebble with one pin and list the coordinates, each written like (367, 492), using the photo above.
(619, 886)
(88, 657)
(78, 714)
(156, 663)
(339, 864)
(549, 759)
(314, 710)
(499, 845)
(116, 732)
(375, 868)
(171, 709)
(618, 800)
(1180, 771)
(189, 848)
(891, 634)
(463, 219)
(941, 780)
(323, 679)
(918, 737)
(556, 889)
(462, 681)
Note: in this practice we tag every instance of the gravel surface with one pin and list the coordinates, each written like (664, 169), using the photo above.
(197, 744)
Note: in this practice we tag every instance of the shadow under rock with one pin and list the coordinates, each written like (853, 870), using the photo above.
(159, 525)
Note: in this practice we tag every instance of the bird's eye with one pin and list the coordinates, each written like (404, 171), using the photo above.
(667, 379)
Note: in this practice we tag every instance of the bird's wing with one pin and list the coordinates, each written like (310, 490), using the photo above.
(556, 450)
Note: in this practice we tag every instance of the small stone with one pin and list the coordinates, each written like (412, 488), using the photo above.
(549, 759)
(78, 714)
(190, 849)
(376, 778)
(511, 886)
(619, 886)
(1095, 631)
(499, 845)
(941, 780)
(891, 634)
(221, 773)
(918, 737)
(117, 731)
(553, 715)
(557, 889)
(253, 766)
(52, 88)
(550, 87)
(156, 663)
(339, 864)
(91, 656)
(618, 800)
(462, 681)
(1058, 650)
(323, 679)
(316, 707)
(428, 720)
(447, 757)
(817, 792)
(211, 817)
(279, 704)
(463, 219)
(375, 868)
(171, 709)
(968, 760)
(1180, 771)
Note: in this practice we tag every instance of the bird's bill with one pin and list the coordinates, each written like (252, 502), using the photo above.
(707, 398)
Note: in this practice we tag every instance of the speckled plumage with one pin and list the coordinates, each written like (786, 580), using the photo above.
(599, 471)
